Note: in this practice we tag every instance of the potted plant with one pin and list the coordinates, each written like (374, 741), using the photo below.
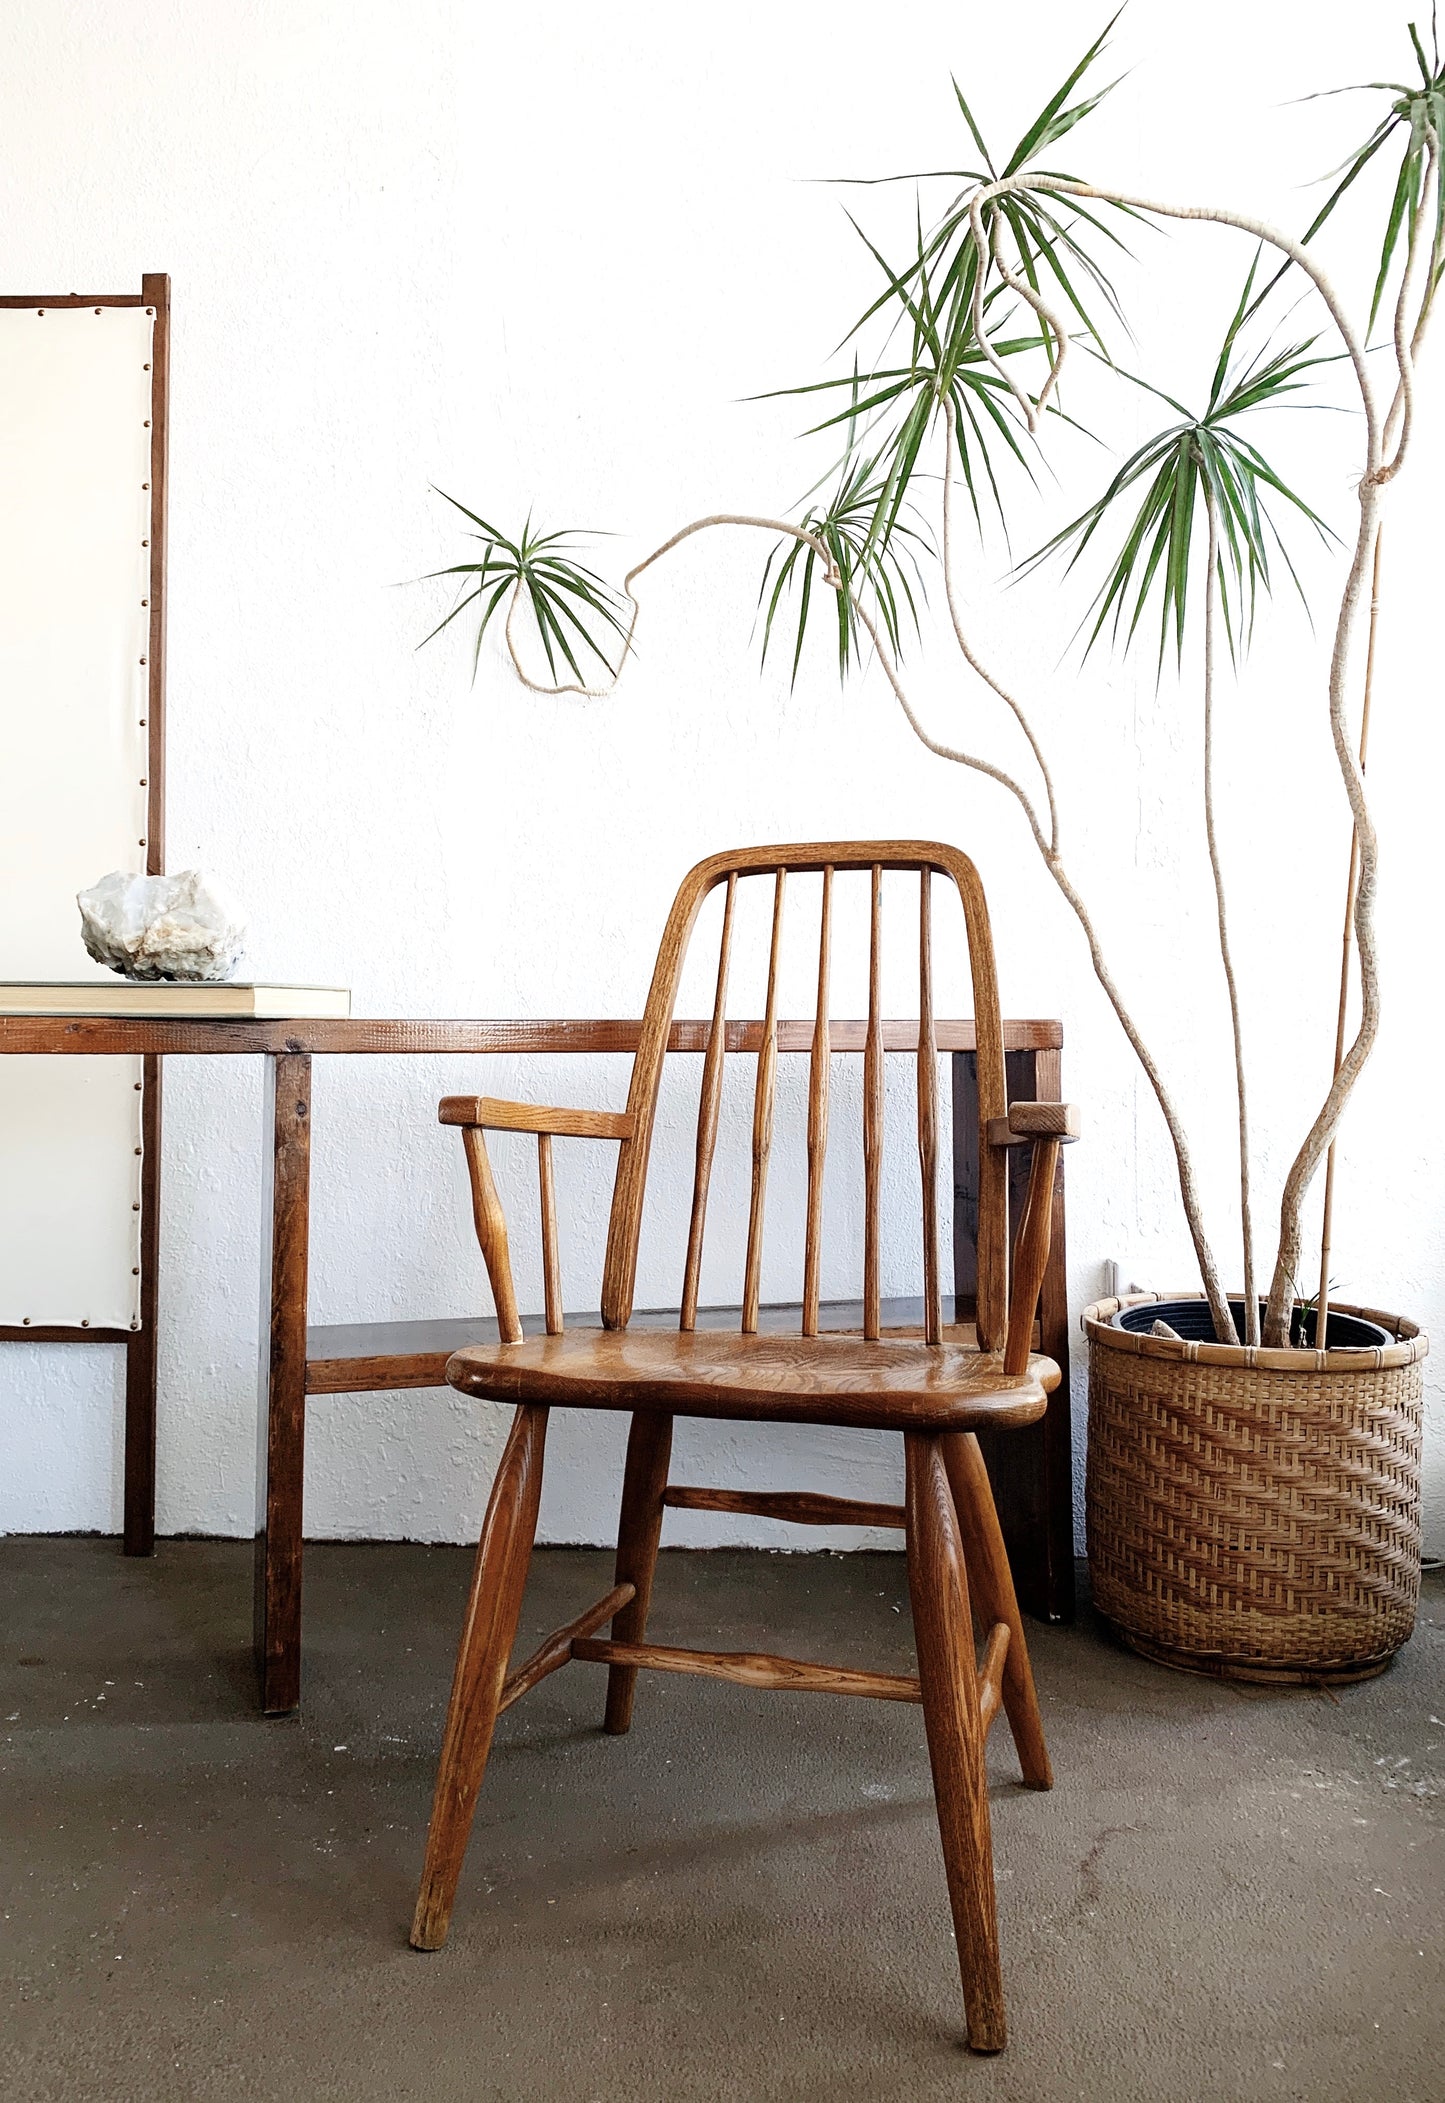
(1253, 1492)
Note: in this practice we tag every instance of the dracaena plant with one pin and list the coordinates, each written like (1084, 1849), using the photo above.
(956, 381)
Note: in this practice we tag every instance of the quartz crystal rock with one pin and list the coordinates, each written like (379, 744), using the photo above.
(161, 927)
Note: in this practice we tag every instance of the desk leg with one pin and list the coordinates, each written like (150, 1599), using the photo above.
(140, 1352)
(281, 1430)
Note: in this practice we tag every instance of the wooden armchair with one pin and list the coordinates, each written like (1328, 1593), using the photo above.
(936, 1387)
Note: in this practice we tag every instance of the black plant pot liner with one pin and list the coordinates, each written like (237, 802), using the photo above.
(1192, 1320)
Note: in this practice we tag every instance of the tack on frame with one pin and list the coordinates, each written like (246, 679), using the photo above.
(140, 1338)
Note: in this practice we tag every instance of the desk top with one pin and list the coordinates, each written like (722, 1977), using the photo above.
(118, 1036)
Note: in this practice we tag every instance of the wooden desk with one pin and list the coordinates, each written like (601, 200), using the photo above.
(1031, 1470)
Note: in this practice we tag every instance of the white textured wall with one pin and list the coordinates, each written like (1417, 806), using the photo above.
(542, 255)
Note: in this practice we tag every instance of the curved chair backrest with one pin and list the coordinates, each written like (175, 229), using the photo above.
(833, 860)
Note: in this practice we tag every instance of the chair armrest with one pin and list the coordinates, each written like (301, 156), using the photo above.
(490, 1114)
(1027, 1122)
(479, 1114)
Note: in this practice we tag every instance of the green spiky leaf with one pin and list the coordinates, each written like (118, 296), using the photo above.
(1413, 117)
(572, 608)
(884, 575)
(1166, 489)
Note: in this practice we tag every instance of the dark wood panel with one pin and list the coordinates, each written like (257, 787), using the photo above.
(115, 1036)
(1031, 1468)
(140, 1363)
(358, 1358)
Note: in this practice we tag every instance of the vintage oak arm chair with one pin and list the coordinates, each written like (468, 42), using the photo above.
(935, 1388)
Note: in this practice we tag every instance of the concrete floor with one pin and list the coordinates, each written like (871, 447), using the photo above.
(1231, 1894)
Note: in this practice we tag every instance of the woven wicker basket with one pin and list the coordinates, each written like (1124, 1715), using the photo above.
(1255, 1514)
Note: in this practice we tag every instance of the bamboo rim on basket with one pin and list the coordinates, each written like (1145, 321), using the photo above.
(1408, 1349)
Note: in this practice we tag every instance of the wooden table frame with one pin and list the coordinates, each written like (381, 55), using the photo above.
(1031, 1470)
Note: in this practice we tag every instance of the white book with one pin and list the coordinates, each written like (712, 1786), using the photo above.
(162, 997)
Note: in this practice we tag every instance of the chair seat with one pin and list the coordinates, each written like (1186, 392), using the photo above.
(893, 1384)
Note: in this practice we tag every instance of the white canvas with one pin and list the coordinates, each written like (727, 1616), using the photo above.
(75, 403)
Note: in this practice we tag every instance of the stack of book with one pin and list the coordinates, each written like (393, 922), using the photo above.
(162, 997)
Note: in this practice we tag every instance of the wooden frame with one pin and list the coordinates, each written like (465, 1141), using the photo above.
(1032, 1474)
(140, 1338)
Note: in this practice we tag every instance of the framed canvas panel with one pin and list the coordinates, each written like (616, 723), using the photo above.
(82, 469)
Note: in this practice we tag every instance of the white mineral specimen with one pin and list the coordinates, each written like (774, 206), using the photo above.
(161, 927)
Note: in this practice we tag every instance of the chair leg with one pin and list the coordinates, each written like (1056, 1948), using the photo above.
(498, 1581)
(993, 1591)
(943, 1631)
(639, 1529)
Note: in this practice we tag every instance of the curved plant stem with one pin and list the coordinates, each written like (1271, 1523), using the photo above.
(1241, 221)
(1404, 401)
(1214, 1290)
(1322, 1304)
(1055, 335)
(1426, 309)
(1407, 353)
(970, 657)
(1246, 1221)
(1326, 1122)
(830, 576)
(698, 525)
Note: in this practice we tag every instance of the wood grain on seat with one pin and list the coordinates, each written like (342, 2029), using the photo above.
(892, 1385)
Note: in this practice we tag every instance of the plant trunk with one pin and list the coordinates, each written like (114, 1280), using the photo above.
(1246, 1220)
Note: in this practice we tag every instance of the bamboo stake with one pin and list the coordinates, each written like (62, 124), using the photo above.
(1322, 1305)
(1226, 955)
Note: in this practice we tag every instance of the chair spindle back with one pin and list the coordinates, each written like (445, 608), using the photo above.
(871, 858)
